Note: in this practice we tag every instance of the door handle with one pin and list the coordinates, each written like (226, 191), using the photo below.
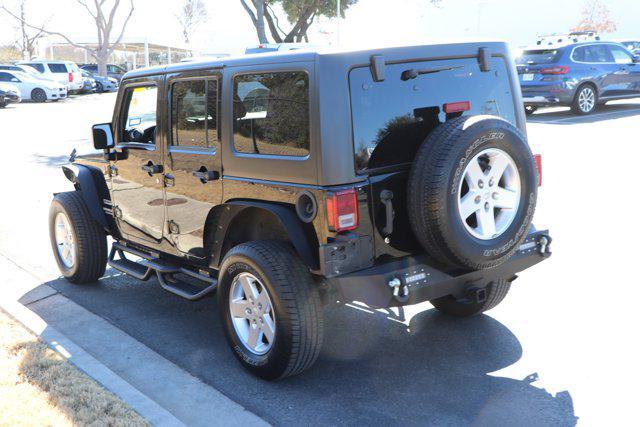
(152, 169)
(205, 175)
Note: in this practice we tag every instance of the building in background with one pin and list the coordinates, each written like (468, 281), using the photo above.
(129, 54)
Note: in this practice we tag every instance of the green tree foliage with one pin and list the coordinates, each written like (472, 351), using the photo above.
(300, 15)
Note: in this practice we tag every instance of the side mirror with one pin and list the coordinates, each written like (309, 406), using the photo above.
(636, 58)
(102, 136)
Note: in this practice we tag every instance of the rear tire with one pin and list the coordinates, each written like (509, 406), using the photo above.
(38, 95)
(496, 291)
(585, 101)
(79, 243)
(289, 338)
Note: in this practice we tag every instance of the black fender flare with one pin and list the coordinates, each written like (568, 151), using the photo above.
(90, 183)
(300, 234)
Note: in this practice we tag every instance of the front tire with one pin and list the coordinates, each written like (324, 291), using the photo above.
(585, 101)
(496, 291)
(530, 109)
(38, 95)
(270, 309)
(99, 88)
(79, 244)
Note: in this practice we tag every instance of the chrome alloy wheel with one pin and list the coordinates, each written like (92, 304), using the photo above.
(65, 242)
(489, 194)
(586, 99)
(252, 313)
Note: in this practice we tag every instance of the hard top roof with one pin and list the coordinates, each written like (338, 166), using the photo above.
(313, 54)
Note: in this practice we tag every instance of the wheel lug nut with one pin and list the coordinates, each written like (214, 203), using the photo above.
(486, 206)
(480, 184)
(495, 196)
(477, 199)
(491, 182)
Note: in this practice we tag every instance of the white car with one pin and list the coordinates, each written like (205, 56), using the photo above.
(65, 72)
(33, 88)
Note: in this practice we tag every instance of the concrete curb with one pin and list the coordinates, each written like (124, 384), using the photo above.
(140, 403)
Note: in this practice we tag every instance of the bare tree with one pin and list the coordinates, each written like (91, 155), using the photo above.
(104, 18)
(192, 14)
(595, 17)
(28, 39)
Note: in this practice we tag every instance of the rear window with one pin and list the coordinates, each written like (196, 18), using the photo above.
(391, 118)
(58, 68)
(542, 56)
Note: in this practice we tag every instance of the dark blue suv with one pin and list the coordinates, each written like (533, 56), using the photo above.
(579, 75)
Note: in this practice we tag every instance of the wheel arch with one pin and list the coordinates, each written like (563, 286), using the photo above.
(90, 183)
(240, 221)
(584, 83)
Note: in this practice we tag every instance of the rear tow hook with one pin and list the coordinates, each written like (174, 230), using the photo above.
(397, 286)
(545, 245)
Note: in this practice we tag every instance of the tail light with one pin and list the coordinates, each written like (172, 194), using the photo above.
(538, 160)
(70, 77)
(457, 107)
(342, 210)
(560, 69)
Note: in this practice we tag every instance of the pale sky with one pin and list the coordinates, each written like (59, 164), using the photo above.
(369, 23)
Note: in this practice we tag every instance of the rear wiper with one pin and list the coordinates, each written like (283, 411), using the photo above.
(413, 73)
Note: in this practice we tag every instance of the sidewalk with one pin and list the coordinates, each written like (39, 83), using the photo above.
(157, 389)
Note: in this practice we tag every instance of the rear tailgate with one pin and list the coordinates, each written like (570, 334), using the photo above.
(391, 119)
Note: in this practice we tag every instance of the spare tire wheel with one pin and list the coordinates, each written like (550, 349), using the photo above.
(472, 192)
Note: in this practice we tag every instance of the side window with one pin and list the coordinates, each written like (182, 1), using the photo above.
(271, 113)
(620, 55)
(597, 53)
(579, 54)
(58, 68)
(39, 67)
(194, 107)
(5, 77)
(139, 114)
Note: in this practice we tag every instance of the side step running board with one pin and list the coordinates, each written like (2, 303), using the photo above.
(185, 289)
(165, 271)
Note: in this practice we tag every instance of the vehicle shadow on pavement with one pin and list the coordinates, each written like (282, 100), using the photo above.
(557, 116)
(372, 369)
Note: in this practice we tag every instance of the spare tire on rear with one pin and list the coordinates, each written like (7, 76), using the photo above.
(472, 192)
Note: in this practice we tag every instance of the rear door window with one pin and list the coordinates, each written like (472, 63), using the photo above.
(393, 117)
(58, 68)
(595, 54)
(39, 67)
(194, 106)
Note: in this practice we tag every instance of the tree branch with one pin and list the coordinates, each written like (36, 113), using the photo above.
(124, 25)
(51, 33)
(250, 12)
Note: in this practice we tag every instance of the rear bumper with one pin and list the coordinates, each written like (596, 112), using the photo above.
(417, 282)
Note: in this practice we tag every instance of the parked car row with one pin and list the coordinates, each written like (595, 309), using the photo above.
(577, 71)
(44, 80)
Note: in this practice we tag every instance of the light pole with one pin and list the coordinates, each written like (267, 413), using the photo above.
(338, 22)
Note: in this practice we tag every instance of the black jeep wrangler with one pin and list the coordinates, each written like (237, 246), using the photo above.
(286, 181)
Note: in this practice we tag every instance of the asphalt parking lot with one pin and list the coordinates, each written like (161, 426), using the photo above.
(562, 347)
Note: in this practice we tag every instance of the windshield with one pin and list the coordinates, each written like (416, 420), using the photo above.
(533, 57)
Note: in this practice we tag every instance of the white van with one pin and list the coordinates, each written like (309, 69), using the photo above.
(65, 72)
